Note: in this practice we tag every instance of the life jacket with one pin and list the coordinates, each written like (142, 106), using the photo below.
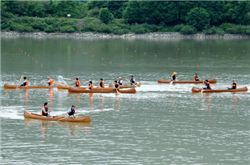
(101, 84)
(208, 85)
(120, 82)
(116, 85)
(90, 86)
(234, 86)
(78, 83)
(46, 109)
(196, 78)
(174, 77)
(25, 83)
(50, 82)
(72, 112)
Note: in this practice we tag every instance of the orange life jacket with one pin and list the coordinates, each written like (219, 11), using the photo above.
(51, 82)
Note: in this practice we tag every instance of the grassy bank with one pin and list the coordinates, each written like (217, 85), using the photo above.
(117, 26)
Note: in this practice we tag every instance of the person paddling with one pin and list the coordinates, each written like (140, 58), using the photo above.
(77, 82)
(173, 76)
(119, 81)
(117, 86)
(72, 111)
(207, 84)
(45, 109)
(50, 81)
(132, 80)
(234, 85)
(25, 82)
(196, 77)
(91, 86)
(101, 83)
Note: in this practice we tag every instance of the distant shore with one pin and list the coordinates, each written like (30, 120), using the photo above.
(130, 36)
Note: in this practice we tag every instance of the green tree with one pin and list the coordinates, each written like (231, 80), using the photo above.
(199, 18)
(105, 15)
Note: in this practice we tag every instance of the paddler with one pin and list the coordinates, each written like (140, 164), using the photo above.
(207, 84)
(91, 86)
(196, 77)
(173, 76)
(119, 81)
(234, 85)
(77, 82)
(25, 82)
(45, 109)
(117, 85)
(132, 80)
(72, 111)
(101, 83)
(50, 81)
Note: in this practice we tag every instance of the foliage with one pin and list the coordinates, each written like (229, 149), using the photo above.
(120, 17)
(187, 29)
(105, 15)
(199, 18)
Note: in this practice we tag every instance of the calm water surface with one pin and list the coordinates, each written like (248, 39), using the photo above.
(161, 124)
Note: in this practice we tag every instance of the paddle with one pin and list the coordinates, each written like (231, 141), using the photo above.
(20, 79)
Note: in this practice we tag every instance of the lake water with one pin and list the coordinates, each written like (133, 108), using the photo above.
(160, 124)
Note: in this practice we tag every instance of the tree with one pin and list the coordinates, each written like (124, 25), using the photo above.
(105, 15)
(199, 18)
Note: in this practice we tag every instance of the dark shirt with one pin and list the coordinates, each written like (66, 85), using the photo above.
(71, 112)
(132, 81)
(46, 113)
(174, 77)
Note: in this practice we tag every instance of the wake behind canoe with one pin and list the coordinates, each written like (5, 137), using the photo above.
(29, 115)
(200, 90)
(212, 81)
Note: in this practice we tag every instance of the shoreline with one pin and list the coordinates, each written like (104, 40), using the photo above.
(129, 36)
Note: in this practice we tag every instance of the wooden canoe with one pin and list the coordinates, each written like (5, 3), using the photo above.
(63, 87)
(9, 86)
(200, 90)
(101, 90)
(29, 115)
(212, 81)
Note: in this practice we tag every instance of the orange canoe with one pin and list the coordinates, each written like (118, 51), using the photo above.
(200, 90)
(101, 90)
(84, 119)
(212, 81)
(9, 86)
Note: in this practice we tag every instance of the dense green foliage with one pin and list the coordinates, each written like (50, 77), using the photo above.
(105, 15)
(119, 17)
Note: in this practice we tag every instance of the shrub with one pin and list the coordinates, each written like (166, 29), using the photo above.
(105, 15)
(187, 29)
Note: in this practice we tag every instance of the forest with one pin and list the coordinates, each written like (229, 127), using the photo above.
(121, 17)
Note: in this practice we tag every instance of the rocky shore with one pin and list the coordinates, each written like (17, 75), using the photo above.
(130, 36)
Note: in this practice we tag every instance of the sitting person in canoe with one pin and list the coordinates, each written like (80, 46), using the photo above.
(207, 84)
(77, 82)
(117, 85)
(91, 86)
(101, 83)
(234, 85)
(72, 111)
(173, 76)
(196, 77)
(50, 81)
(132, 80)
(119, 81)
(45, 109)
(25, 82)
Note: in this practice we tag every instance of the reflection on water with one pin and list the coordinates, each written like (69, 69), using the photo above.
(45, 126)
